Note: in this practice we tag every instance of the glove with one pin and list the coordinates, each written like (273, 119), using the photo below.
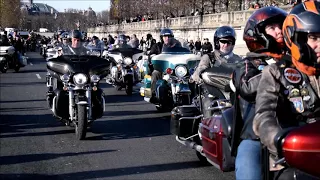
(251, 71)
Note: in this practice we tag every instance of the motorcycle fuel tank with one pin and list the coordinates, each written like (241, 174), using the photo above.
(301, 148)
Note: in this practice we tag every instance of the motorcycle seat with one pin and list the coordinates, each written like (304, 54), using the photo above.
(227, 121)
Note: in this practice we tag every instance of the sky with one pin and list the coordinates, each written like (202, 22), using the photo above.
(60, 5)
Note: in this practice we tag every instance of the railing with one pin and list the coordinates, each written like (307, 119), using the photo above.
(235, 19)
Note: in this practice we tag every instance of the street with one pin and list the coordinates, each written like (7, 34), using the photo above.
(131, 141)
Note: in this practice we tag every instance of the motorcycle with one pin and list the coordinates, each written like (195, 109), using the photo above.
(206, 124)
(44, 49)
(173, 89)
(298, 150)
(124, 71)
(74, 94)
(10, 59)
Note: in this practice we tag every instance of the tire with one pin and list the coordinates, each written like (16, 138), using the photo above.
(4, 68)
(129, 86)
(16, 69)
(81, 126)
(203, 160)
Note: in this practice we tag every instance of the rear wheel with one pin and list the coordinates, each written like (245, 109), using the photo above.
(81, 126)
(203, 160)
(16, 69)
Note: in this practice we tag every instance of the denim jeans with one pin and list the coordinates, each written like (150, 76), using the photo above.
(248, 160)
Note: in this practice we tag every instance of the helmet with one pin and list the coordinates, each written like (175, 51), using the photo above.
(76, 34)
(166, 32)
(254, 32)
(65, 35)
(122, 38)
(224, 32)
(303, 18)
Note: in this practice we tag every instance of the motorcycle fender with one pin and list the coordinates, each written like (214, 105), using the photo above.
(82, 100)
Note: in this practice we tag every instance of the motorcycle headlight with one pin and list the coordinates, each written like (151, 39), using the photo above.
(95, 78)
(127, 61)
(65, 78)
(80, 79)
(181, 71)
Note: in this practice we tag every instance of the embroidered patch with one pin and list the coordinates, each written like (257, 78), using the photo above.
(292, 75)
(298, 104)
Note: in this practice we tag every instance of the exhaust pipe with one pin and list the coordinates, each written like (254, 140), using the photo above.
(191, 144)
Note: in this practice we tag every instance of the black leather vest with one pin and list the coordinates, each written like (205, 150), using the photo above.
(298, 95)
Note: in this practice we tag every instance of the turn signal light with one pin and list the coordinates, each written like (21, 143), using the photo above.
(169, 71)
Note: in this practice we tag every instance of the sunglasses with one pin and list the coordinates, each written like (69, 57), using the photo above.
(225, 42)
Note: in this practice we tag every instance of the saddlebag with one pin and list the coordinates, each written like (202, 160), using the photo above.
(182, 120)
(215, 143)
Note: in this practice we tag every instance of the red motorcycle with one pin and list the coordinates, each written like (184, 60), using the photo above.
(206, 126)
(298, 154)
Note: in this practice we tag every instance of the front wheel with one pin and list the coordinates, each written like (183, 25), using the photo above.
(129, 86)
(4, 67)
(81, 125)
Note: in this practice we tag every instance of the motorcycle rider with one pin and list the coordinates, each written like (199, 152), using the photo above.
(224, 41)
(76, 47)
(167, 40)
(121, 42)
(288, 93)
(264, 40)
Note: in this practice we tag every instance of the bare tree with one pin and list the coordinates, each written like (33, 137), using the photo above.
(10, 13)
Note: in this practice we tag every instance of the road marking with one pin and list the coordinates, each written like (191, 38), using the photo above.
(31, 64)
(38, 76)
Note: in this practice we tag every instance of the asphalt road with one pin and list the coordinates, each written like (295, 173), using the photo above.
(131, 141)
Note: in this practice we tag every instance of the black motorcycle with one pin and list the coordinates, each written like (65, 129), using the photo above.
(74, 94)
(124, 71)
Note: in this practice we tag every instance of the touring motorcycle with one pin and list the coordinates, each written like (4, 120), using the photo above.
(207, 126)
(10, 59)
(176, 64)
(74, 94)
(124, 70)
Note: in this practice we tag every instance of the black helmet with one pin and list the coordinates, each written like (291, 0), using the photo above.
(122, 38)
(224, 32)
(76, 34)
(65, 35)
(166, 32)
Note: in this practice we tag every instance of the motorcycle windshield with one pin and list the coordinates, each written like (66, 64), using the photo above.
(126, 51)
(71, 64)
(175, 50)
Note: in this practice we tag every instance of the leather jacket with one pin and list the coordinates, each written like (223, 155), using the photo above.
(285, 98)
(246, 79)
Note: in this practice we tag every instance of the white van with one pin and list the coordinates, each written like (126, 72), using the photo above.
(9, 30)
(43, 30)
